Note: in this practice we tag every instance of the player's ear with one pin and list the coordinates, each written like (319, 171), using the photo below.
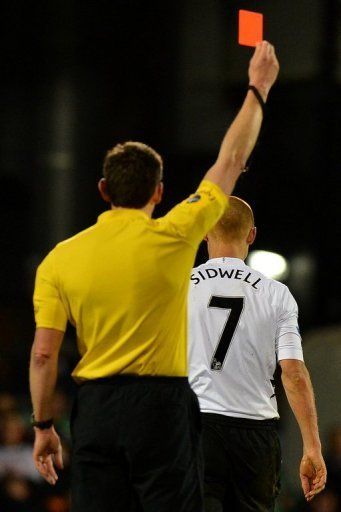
(252, 235)
(102, 187)
(158, 193)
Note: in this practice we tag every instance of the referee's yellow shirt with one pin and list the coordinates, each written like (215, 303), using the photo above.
(123, 284)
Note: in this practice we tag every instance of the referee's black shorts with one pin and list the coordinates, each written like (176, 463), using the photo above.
(242, 461)
(136, 446)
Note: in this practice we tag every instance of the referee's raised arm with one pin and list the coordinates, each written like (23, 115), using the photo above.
(242, 135)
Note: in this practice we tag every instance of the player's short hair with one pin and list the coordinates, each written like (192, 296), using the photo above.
(235, 223)
(132, 171)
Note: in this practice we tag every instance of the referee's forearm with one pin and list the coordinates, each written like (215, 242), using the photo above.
(43, 377)
(242, 135)
(237, 145)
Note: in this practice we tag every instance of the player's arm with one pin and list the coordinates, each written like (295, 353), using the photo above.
(242, 135)
(299, 391)
(47, 450)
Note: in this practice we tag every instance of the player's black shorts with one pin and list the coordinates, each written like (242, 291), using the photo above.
(136, 446)
(242, 464)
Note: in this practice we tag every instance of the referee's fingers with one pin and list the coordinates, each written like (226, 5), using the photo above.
(50, 470)
(43, 471)
(45, 467)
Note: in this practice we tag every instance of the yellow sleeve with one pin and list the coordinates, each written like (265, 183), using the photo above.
(196, 215)
(49, 310)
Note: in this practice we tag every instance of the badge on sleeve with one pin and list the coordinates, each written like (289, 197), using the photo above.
(194, 199)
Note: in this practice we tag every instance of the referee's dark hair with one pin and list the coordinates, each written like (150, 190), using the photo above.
(132, 171)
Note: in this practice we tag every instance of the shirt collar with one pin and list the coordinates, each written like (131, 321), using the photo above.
(119, 213)
(236, 262)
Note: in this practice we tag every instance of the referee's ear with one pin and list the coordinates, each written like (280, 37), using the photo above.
(102, 187)
(158, 193)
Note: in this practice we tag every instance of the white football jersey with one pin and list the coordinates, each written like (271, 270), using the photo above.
(241, 324)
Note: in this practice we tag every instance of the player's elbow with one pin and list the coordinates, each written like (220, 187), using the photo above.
(295, 379)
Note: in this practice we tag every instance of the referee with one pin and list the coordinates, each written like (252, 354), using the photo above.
(123, 284)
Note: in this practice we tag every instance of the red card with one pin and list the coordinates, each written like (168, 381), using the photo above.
(250, 28)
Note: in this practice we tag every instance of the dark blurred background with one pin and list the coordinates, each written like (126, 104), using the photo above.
(78, 77)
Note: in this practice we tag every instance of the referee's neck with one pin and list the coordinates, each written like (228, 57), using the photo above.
(148, 209)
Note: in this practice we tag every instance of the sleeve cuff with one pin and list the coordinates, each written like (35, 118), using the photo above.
(50, 325)
(214, 190)
(290, 353)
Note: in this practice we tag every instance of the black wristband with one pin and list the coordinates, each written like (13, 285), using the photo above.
(258, 96)
(42, 425)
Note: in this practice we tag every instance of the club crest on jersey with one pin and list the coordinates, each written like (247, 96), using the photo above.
(216, 365)
(194, 199)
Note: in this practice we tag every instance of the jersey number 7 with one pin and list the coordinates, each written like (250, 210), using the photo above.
(235, 305)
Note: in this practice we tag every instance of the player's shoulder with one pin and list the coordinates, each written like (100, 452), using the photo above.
(278, 292)
(273, 285)
(276, 285)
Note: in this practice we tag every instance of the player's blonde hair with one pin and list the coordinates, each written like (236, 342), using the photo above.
(236, 222)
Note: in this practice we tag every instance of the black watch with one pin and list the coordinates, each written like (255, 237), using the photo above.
(41, 425)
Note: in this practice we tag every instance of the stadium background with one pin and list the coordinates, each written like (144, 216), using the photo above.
(78, 77)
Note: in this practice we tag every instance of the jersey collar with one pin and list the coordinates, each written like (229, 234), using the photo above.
(120, 213)
(227, 261)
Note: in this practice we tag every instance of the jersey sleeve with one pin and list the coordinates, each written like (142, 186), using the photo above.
(288, 338)
(195, 216)
(49, 310)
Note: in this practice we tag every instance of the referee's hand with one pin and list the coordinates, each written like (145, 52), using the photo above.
(47, 454)
(313, 474)
(263, 68)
